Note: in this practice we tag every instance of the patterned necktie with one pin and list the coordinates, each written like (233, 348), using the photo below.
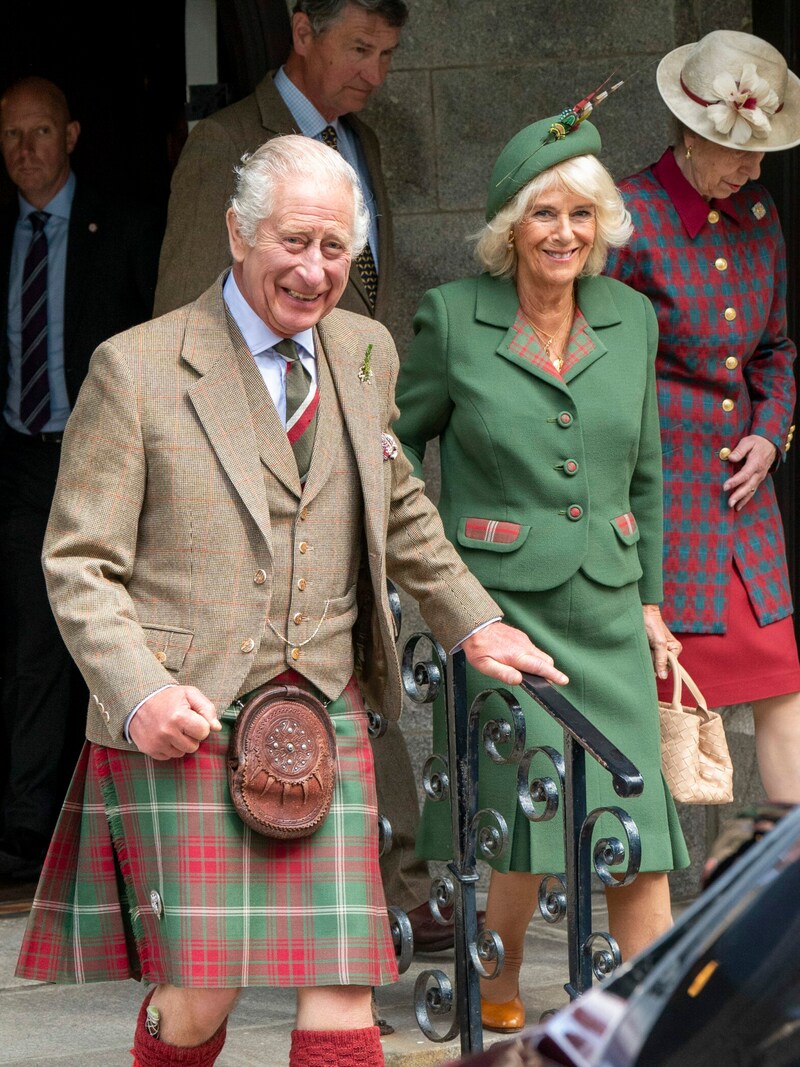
(34, 405)
(302, 404)
(364, 260)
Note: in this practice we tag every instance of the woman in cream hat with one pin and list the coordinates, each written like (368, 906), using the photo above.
(537, 377)
(708, 251)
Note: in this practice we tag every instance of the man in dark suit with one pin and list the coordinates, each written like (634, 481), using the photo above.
(75, 269)
(341, 53)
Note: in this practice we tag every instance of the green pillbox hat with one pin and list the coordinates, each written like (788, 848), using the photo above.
(532, 151)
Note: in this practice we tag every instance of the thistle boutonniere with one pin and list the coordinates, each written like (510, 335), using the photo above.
(365, 374)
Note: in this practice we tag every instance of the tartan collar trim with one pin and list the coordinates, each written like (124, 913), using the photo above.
(527, 346)
(690, 205)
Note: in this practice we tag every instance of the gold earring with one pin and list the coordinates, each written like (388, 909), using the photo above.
(689, 151)
(510, 242)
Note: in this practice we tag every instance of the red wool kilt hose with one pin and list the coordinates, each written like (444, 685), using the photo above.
(152, 875)
(748, 662)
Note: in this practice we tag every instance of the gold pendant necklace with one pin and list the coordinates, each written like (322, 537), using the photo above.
(546, 342)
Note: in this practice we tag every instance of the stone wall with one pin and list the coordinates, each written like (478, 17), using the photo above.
(469, 74)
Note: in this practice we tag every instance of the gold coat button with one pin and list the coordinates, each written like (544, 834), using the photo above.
(728, 405)
(721, 263)
(304, 514)
(730, 314)
(301, 584)
(260, 577)
(297, 618)
(713, 217)
(161, 656)
(724, 453)
(295, 653)
(731, 362)
(248, 645)
(304, 547)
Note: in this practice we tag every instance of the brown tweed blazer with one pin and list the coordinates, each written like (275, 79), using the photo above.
(161, 517)
(195, 246)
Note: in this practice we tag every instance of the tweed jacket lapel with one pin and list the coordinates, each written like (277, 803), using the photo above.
(276, 118)
(600, 311)
(220, 399)
(344, 352)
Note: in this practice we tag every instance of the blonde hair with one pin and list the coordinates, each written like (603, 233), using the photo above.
(583, 176)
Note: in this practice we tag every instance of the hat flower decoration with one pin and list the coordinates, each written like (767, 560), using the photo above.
(743, 107)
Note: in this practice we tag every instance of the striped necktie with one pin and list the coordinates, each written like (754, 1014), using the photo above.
(34, 404)
(302, 404)
(364, 260)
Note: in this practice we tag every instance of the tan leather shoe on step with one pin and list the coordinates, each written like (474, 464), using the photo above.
(505, 1018)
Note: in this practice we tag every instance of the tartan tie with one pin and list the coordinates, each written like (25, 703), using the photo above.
(302, 403)
(34, 405)
(364, 260)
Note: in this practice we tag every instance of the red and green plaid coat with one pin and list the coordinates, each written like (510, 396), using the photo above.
(716, 275)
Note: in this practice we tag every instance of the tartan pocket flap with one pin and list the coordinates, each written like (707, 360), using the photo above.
(626, 528)
(168, 645)
(492, 535)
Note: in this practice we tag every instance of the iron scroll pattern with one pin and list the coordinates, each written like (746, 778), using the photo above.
(484, 833)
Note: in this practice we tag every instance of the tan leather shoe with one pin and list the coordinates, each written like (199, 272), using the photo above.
(505, 1018)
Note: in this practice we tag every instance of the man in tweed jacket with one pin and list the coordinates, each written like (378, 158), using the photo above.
(189, 562)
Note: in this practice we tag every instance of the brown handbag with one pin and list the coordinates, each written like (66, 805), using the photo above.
(282, 762)
(694, 752)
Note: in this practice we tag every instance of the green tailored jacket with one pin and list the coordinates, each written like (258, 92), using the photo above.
(540, 477)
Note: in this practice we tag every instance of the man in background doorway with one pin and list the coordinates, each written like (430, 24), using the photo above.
(76, 267)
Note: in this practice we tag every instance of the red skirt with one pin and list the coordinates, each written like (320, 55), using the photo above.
(748, 662)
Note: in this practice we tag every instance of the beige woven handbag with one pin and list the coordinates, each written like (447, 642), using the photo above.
(694, 753)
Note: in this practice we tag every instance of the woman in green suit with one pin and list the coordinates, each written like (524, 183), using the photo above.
(537, 377)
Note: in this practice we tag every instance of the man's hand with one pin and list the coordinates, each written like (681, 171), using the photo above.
(505, 653)
(758, 454)
(172, 723)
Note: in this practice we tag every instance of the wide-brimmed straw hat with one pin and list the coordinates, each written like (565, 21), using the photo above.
(733, 89)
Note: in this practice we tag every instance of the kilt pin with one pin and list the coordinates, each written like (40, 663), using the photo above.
(716, 275)
(551, 491)
(150, 873)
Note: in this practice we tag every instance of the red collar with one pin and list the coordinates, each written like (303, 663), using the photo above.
(689, 204)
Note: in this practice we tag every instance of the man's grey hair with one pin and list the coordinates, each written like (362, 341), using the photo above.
(323, 13)
(288, 158)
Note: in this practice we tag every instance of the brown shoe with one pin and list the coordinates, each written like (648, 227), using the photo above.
(430, 936)
(505, 1018)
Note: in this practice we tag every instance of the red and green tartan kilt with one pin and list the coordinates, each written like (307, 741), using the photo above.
(152, 875)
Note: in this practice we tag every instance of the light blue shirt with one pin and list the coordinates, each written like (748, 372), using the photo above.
(56, 231)
(311, 124)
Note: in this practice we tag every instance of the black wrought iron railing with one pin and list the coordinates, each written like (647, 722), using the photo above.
(446, 1008)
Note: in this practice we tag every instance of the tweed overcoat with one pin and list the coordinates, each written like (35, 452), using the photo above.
(716, 274)
(161, 517)
(517, 444)
(195, 247)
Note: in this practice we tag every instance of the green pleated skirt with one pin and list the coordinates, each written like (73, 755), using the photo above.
(596, 636)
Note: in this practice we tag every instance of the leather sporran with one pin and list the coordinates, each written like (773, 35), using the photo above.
(694, 752)
(282, 762)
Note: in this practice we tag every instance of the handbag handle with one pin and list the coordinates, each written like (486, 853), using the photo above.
(681, 677)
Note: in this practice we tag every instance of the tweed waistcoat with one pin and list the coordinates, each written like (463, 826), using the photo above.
(312, 604)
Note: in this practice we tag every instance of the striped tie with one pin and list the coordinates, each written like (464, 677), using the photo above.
(364, 260)
(302, 404)
(34, 404)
